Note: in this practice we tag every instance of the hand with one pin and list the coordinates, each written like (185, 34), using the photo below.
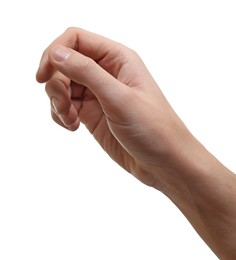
(106, 86)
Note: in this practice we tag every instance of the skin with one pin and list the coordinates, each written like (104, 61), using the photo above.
(106, 86)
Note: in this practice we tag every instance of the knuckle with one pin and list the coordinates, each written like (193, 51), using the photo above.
(134, 55)
(133, 52)
(71, 29)
(87, 65)
(52, 87)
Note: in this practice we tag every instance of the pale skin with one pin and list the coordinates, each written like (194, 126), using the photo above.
(106, 86)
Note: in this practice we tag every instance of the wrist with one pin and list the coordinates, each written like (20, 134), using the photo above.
(187, 166)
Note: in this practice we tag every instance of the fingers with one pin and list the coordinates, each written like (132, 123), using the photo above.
(85, 71)
(63, 111)
(104, 67)
(89, 44)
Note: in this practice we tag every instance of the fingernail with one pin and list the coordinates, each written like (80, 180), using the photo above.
(54, 105)
(60, 53)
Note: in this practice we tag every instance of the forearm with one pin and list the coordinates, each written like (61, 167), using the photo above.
(205, 191)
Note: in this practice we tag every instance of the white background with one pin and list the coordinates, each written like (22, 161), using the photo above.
(61, 197)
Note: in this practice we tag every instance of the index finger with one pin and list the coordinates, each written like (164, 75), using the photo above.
(89, 44)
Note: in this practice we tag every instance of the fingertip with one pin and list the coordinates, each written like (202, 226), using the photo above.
(39, 77)
(44, 71)
(74, 126)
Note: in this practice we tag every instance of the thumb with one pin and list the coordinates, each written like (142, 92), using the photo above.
(85, 71)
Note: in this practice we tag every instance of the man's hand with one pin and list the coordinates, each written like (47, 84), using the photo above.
(106, 86)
